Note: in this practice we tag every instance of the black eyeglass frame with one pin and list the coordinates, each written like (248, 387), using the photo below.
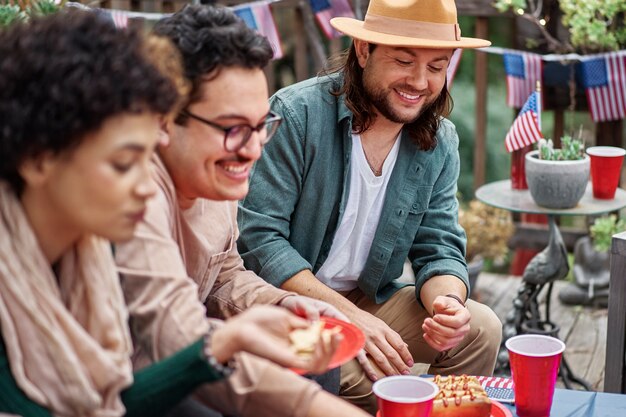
(271, 118)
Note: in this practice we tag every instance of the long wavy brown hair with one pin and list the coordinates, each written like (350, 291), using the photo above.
(423, 130)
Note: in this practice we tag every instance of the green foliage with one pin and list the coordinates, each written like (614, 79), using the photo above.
(12, 11)
(571, 149)
(499, 120)
(603, 229)
(9, 14)
(43, 7)
(595, 25)
(504, 6)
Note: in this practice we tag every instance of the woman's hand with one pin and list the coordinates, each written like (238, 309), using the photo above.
(311, 308)
(264, 331)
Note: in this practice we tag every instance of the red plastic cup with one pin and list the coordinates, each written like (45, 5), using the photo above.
(518, 170)
(535, 361)
(606, 169)
(404, 396)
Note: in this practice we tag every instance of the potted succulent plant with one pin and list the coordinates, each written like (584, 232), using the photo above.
(557, 178)
(488, 230)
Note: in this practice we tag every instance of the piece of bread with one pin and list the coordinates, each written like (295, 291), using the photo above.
(303, 341)
(460, 396)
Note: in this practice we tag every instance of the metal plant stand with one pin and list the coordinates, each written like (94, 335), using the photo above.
(549, 265)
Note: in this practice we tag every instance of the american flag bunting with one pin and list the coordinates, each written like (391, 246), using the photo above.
(523, 70)
(258, 16)
(495, 382)
(604, 79)
(525, 129)
(453, 66)
(325, 10)
(120, 19)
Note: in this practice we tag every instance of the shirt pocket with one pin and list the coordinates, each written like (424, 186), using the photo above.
(214, 266)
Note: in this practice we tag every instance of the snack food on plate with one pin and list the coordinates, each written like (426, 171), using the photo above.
(303, 341)
(460, 396)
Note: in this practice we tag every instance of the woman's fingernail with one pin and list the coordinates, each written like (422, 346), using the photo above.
(410, 363)
(406, 372)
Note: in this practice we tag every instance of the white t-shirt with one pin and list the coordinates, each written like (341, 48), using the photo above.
(354, 236)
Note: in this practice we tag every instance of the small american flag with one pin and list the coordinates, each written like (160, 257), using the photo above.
(495, 382)
(120, 19)
(525, 129)
(523, 70)
(327, 9)
(258, 16)
(604, 78)
(453, 65)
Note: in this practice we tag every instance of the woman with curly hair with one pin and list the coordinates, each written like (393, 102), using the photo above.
(80, 107)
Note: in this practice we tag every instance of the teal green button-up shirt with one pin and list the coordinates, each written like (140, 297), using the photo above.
(299, 189)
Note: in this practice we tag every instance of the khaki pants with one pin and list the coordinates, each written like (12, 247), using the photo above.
(475, 355)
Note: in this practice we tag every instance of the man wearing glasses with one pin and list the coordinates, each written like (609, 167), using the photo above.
(362, 176)
(183, 263)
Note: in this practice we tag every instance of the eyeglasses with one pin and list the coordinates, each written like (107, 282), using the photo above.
(236, 137)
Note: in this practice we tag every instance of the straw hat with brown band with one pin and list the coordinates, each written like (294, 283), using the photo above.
(409, 23)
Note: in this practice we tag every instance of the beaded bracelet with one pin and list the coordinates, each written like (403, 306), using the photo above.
(224, 369)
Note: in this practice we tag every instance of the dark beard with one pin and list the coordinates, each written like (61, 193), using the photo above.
(378, 98)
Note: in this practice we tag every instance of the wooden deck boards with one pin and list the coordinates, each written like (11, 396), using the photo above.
(583, 329)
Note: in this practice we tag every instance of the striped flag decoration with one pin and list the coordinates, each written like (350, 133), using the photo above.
(525, 129)
(604, 79)
(120, 19)
(258, 16)
(523, 70)
(453, 66)
(325, 10)
(495, 382)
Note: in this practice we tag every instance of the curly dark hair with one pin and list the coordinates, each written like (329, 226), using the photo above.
(210, 38)
(423, 130)
(62, 76)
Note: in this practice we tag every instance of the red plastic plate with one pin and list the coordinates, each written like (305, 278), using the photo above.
(498, 410)
(353, 341)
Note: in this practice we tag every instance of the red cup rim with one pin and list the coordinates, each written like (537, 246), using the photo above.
(606, 151)
(377, 384)
(533, 354)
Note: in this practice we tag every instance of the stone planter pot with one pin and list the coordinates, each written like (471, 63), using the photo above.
(556, 184)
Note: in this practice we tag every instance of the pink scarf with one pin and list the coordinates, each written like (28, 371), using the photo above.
(68, 344)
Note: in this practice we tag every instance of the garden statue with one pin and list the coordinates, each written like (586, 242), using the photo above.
(551, 263)
(591, 265)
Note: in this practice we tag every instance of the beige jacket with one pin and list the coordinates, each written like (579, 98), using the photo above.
(184, 264)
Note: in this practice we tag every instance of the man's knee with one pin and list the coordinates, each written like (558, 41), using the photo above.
(356, 388)
(485, 325)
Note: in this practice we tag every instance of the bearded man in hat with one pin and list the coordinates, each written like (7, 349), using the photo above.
(362, 175)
